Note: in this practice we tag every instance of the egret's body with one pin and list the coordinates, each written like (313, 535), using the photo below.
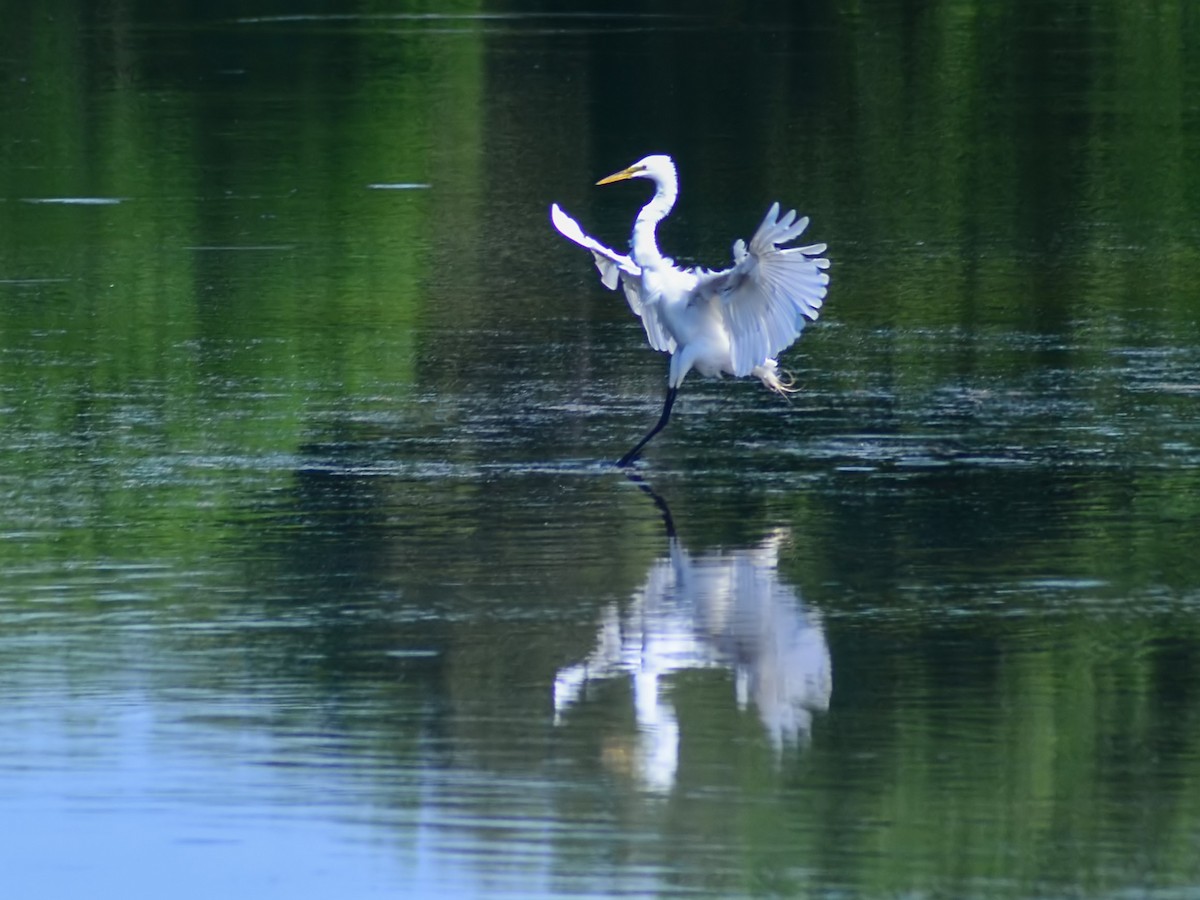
(732, 322)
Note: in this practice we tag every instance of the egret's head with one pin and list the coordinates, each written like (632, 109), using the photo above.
(659, 168)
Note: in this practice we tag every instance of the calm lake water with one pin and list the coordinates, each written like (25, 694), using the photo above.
(318, 579)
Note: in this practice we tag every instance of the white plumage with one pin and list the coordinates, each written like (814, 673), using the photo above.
(735, 321)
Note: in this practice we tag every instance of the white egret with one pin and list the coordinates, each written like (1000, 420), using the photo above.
(735, 321)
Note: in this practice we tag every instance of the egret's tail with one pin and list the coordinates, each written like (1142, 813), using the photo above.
(776, 379)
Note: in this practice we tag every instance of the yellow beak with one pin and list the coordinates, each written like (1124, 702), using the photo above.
(623, 175)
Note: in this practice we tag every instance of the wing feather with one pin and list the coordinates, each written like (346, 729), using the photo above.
(616, 268)
(769, 293)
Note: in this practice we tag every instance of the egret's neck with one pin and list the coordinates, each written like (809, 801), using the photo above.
(645, 244)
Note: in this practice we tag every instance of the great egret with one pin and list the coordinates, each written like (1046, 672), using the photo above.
(735, 321)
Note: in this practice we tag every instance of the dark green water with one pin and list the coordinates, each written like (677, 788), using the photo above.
(318, 581)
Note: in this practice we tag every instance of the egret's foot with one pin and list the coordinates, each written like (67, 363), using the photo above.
(628, 459)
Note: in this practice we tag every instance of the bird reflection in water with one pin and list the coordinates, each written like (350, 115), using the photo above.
(725, 609)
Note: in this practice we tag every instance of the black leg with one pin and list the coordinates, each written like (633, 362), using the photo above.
(668, 521)
(629, 457)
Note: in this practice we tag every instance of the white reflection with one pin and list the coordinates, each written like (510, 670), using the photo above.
(726, 609)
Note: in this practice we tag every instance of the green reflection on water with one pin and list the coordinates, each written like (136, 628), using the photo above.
(244, 278)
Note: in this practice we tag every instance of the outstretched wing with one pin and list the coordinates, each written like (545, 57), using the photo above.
(613, 268)
(767, 295)
(610, 263)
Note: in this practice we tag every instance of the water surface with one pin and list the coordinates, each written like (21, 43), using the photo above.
(319, 581)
